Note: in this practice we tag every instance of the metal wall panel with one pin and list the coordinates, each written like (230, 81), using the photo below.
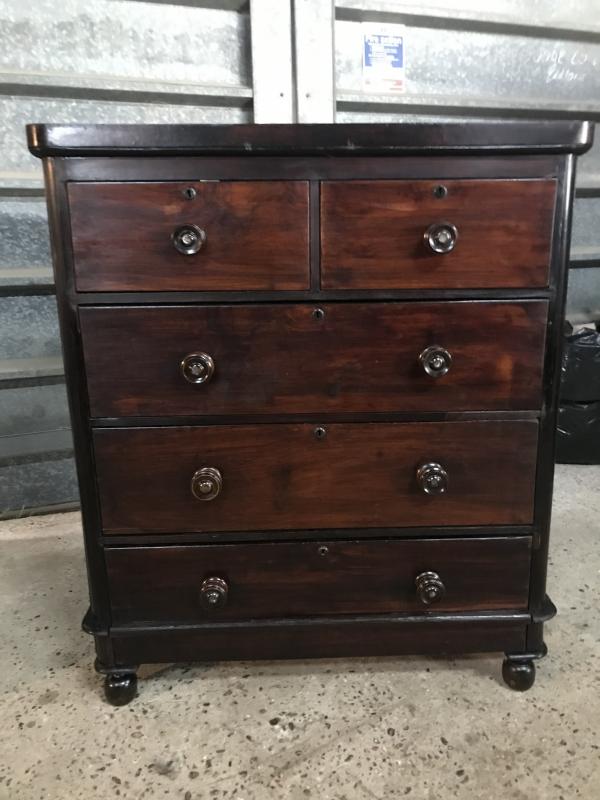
(97, 62)
(29, 327)
(274, 99)
(24, 238)
(314, 50)
(588, 166)
(112, 39)
(45, 483)
(585, 236)
(479, 70)
(583, 298)
(24, 409)
(556, 16)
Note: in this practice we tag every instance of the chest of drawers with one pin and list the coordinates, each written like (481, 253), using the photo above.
(312, 377)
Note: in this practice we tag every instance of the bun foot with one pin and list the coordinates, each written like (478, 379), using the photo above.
(120, 688)
(519, 675)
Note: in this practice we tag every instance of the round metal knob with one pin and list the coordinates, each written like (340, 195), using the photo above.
(207, 482)
(435, 360)
(197, 368)
(432, 478)
(430, 588)
(188, 239)
(213, 592)
(441, 237)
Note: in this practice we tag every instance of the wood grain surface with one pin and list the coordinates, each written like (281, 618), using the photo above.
(323, 578)
(285, 359)
(372, 234)
(257, 235)
(283, 476)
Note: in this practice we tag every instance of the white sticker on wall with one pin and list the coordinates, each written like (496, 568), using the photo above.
(383, 58)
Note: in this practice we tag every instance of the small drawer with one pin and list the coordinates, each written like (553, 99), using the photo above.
(456, 234)
(305, 476)
(307, 359)
(220, 582)
(197, 236)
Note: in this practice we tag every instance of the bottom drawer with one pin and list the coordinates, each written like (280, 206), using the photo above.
(186, 584)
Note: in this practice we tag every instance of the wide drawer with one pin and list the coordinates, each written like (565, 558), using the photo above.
(301, 476)
(384, 234)
(250, 235)
(355, 357)
(218, 582)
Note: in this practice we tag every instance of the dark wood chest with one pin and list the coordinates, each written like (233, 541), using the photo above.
(312, 373)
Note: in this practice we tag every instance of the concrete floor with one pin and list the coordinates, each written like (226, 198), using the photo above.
(336, 730)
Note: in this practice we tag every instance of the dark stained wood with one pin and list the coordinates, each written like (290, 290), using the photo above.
(257, 235)
(316, 535)
(86, 299)
(372, 234)
(524, 136)
(282, 476)
(54, 176)
(552, 371)
(377, 636)
(132, 471)
(162, 584)
(416, 166)
(358, 357)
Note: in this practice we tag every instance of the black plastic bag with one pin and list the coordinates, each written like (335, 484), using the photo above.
(578, 433)
(580, 369)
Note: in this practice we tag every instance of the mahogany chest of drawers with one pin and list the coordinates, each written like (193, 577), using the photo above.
(312, 376)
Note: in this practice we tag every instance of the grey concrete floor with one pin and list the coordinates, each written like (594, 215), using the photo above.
(336, 730)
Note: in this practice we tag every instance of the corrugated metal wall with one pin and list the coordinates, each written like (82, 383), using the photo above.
(203, 61)
(94, 61)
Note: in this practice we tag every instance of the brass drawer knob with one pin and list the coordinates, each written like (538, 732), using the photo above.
(213, 592)
(432, 478)
(188, 239)
(207, 482)
(197, 368)
(435, 360)
(430, 588)
(441, 237)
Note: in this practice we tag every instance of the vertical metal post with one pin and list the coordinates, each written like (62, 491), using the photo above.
(272, 60)
(313, 30)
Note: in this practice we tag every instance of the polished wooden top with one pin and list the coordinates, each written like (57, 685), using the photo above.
(539, 136)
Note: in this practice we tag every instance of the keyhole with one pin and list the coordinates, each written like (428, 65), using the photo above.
(190, 192)
(440, 191)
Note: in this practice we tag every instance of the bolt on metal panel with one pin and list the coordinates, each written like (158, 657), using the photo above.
(272, 68)
(313, 34)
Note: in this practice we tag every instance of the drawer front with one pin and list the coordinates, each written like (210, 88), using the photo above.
(302, 476)
(355, 357)
(219, 582)
(374, 234)
(251, 235)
